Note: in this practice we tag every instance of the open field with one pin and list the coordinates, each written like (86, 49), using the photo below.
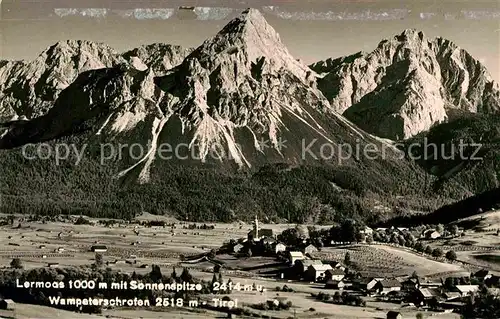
(36, 244)
(383, 260)
(486, 221)
(473, 248)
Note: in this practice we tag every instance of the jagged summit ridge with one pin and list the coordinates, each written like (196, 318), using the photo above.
(29, 89)
(407, 84)
(159, 57)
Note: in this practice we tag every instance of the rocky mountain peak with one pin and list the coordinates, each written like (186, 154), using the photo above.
(412, 34)
(248, 39)
(407, 84)
(250, 25)
(29, 88)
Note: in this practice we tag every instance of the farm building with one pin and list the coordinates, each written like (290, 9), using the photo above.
(424, 296)
(310, 249)
(53, 265)
(366, 231)
(335, 274)
(466, 290)
(293, 256)
(279, 247)
(334, 284)
(430, 284)
(372, 283)
(98, 249)
(317, 272)
(388, 285)
(452, 295)
(394, 315)
(7, 304)
(303, 264)
(41, 247)
(237, 248)
(428, 293)
(431, 234)
(60, 249)
(365, 284)
(410, 284)
(336, 264)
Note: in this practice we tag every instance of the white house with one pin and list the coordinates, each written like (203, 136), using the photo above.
(366, 231)
(466, 290)
(431, 234)
(335, 274)
(388, 285)
(310, 249)
(279, 247)
(293, 256)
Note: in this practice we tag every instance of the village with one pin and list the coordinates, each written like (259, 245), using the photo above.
(343, 284)
(291, 269)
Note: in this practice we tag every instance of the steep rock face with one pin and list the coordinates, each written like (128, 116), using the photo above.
(29, 88)
(242, 77)
(406, 85)
(158, 56)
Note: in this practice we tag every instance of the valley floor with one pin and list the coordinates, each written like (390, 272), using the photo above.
(64, 244)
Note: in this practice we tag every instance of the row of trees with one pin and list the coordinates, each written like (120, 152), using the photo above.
(340, 298)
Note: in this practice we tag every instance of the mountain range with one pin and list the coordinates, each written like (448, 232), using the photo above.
(260, 130)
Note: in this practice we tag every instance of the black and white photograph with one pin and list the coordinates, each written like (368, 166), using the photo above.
(274, 159)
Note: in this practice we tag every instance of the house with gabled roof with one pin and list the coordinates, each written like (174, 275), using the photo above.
(303, 264)
(335, 274)
(387, 285)
(309, 249)
(293, 256)
(466, 290)
(317, 272)
(279, 247)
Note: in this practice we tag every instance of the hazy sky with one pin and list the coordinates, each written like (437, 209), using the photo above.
(334, 28)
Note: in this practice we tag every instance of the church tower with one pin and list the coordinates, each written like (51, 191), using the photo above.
(256, 227)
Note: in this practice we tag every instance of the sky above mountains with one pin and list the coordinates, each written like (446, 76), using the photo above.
(312, 30)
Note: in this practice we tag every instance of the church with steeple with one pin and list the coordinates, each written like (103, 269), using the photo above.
(256, 233)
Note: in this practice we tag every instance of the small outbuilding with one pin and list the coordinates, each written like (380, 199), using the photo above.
(98, 249)
(310, 249)
(7, 304)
